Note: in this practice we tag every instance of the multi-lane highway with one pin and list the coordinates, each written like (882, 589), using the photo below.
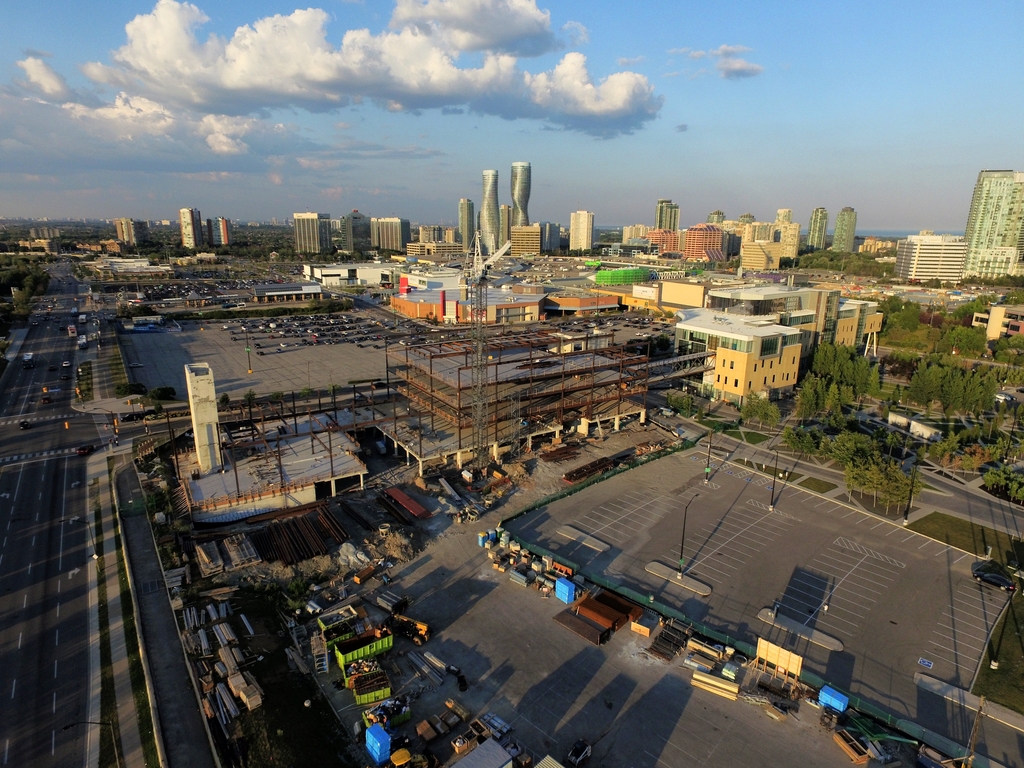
(44, 546)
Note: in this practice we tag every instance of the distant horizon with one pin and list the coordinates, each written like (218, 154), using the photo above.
(397, 106)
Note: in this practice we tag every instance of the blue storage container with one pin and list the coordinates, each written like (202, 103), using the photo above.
(831, 698)
(565, 590)
(378, 741)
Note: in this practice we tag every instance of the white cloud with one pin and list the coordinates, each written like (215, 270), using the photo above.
(578, 34)
(728, 64)
(499, 26)
(626, 61)
(729, 50)
(734, 69)
(568, 92)
(287, 61)
(42, 77)
(127, 118)
(223, 133)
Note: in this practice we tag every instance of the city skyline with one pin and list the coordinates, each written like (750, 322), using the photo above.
(99, 118)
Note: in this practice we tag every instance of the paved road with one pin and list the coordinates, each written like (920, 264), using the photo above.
(44, 633)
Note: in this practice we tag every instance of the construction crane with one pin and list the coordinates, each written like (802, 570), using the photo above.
(476, 282)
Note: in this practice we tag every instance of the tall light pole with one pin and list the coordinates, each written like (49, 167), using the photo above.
(707, 469)
(109, 724)
(775, 474)
(248, 350)
(682, 540)
(910, 494)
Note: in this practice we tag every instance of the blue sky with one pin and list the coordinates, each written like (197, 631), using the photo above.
(132, 108)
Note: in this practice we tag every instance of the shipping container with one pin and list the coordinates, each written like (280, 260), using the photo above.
(620, 604)
(369, 689)
(588, 630)
(601, 614)
(362, 646)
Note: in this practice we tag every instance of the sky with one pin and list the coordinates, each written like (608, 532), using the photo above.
(259, 109)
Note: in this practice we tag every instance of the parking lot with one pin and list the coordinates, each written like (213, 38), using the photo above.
(287, 364)
(899, 603)
(553, 688)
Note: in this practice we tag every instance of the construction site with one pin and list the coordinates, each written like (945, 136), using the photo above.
(523, 388)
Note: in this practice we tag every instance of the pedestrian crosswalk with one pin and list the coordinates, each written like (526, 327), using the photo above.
(37, 419)
(37, 455)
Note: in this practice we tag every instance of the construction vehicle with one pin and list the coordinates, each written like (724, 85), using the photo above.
(417, 631)
(403, 758)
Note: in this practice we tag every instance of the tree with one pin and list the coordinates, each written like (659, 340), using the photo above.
(224, 401)
(162, 393)
(761, 410)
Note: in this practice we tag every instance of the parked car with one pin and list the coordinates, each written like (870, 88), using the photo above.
(994, 574)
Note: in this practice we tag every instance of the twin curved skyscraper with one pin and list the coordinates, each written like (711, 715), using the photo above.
(490, 222)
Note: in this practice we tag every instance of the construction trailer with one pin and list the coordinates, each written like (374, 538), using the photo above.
(528, 385)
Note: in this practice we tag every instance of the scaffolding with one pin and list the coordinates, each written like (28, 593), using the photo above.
(518, 384)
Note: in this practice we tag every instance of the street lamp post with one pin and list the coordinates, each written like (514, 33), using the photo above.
(707, 469)
(775, 474)
(682, 540)
(910, 495)
(248, 351)
(109, 724)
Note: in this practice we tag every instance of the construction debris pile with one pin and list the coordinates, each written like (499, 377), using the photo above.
(293, 535)
(222, 682)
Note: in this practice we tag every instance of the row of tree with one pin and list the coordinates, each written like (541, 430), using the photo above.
(868, 462)
(954, 387)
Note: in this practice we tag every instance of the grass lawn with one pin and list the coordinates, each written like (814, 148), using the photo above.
(754, 438)
(969, 536)
(817, 485)
(84, 382)
(769, 470)
(734, 433)
(1007, 646)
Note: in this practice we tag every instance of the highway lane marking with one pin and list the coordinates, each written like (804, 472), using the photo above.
(54, 702)
(53, 735)
(24, 603)
(14, 685)
(56, 638)
(7, 746)
(54, 669)
(58, 605)
(19, 641)
(63, 511)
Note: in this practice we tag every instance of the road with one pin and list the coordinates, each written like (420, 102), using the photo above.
(44, 632)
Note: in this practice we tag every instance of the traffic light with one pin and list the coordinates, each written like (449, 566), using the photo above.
(66, 426)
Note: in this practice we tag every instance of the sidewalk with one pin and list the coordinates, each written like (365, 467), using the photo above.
(176, 711)
(127, 718)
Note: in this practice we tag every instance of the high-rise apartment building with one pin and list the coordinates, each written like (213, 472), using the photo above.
(489, 213)
(390, 233)
(550, 236)
(504, 224)
(218, 231)
(666, 215)
(526, 240)
(784, 216)
(667, 240)
(353, 232)
(581, 231)
(191, 223)
(634, 232)
(431, 233)
(747, 218)
(788, 234)
(312, 233)
(846, 230)
(520, 194)
(817, 232)
(131, 232)
(931, 257)
(716, 217)
(451, 234)
(703, 242)
(467, 222)
(995, 225)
